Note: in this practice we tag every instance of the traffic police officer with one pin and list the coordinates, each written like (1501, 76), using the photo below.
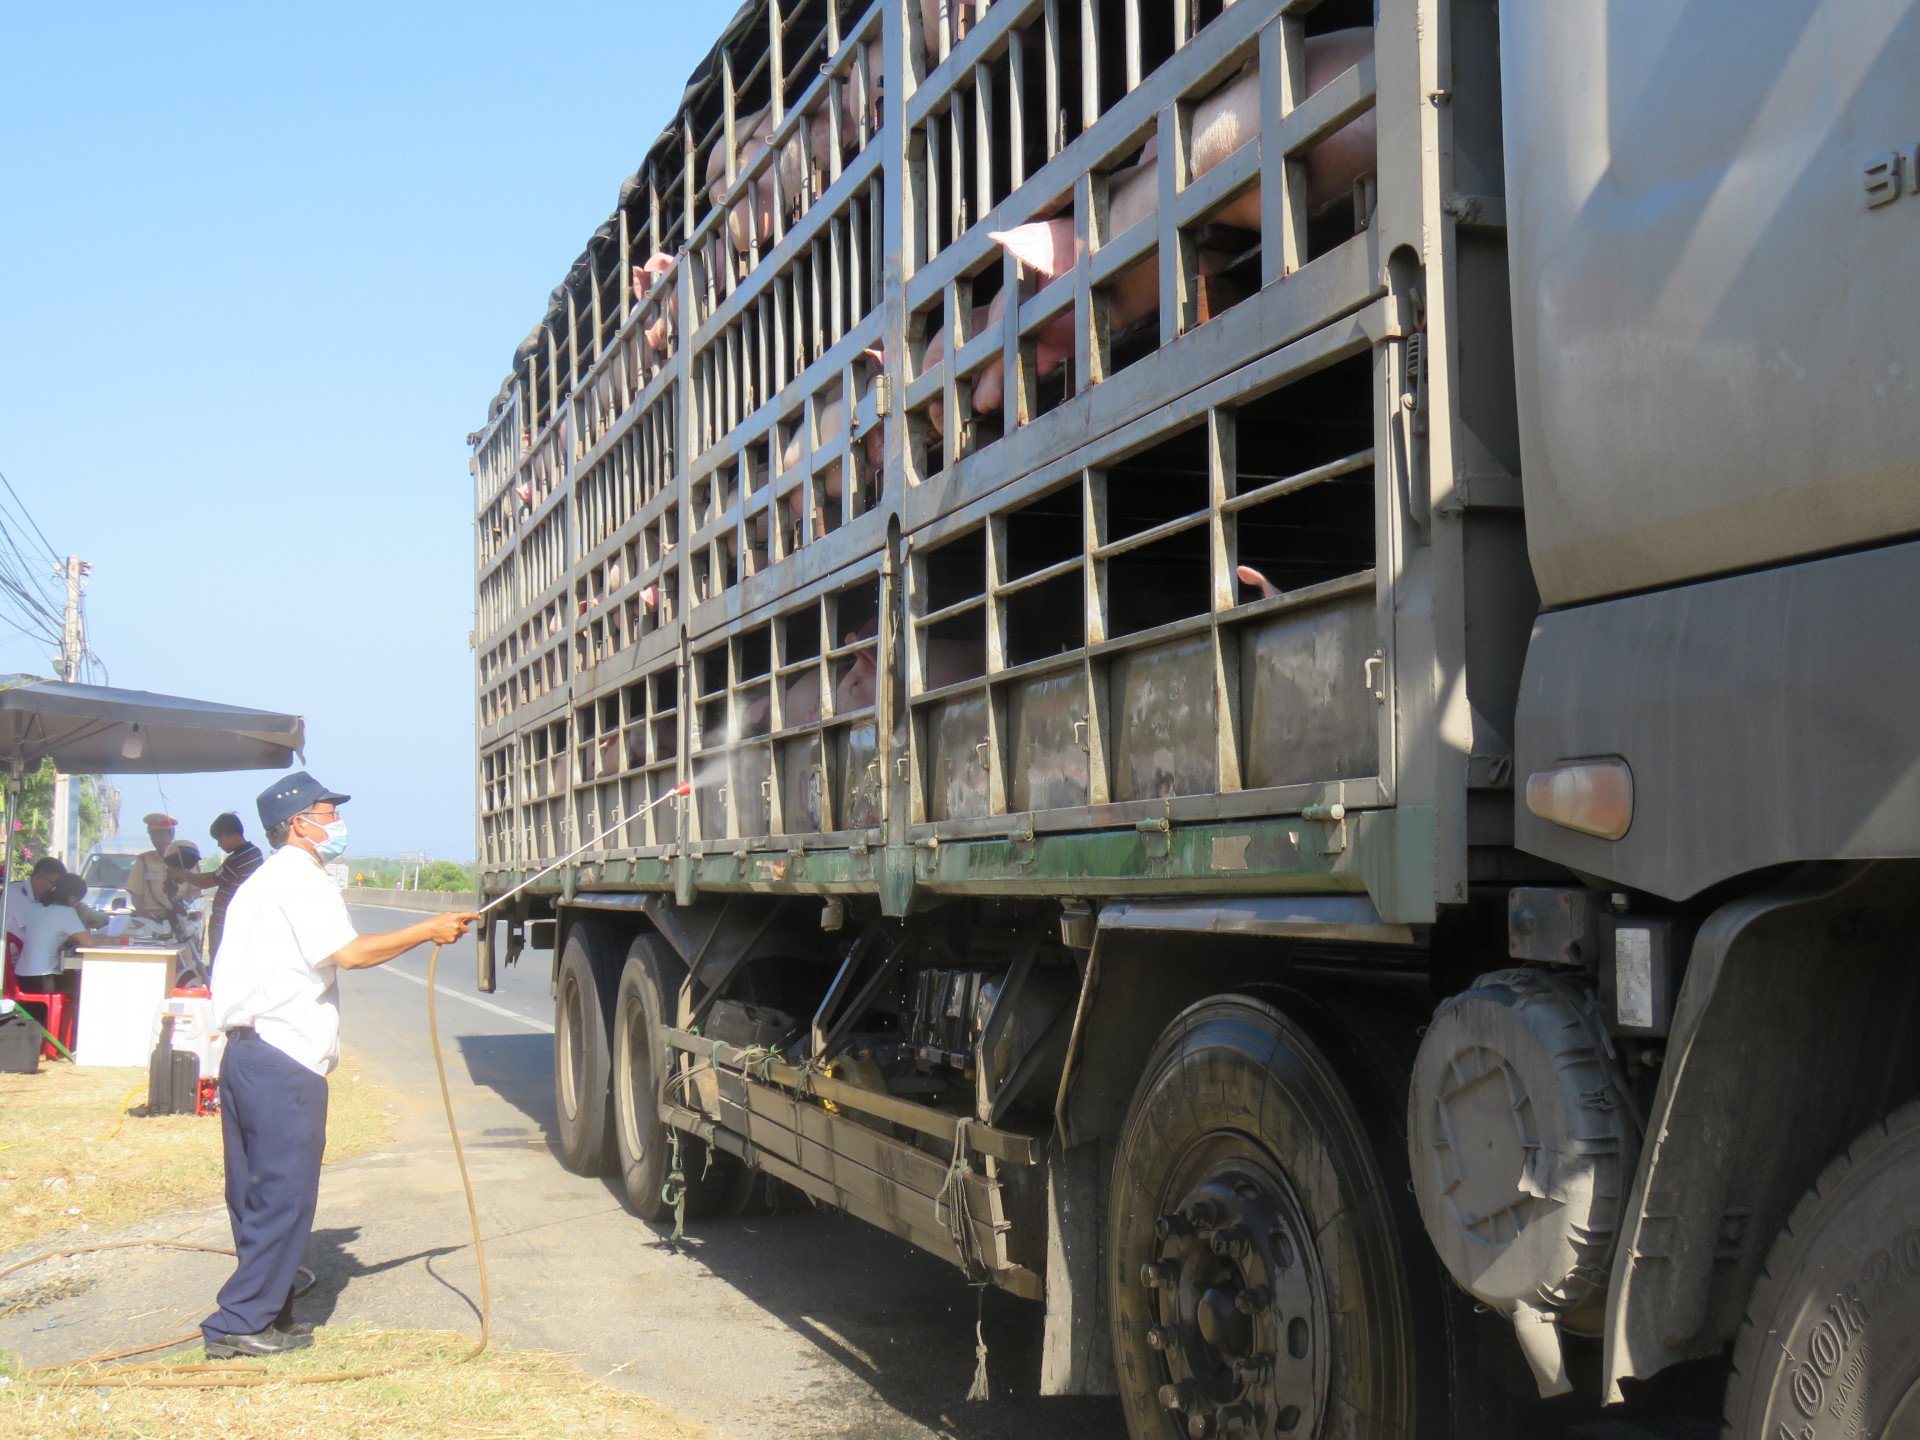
(276, 997)
(147, 881)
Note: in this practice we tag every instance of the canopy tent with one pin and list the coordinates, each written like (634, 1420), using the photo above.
(95, 730)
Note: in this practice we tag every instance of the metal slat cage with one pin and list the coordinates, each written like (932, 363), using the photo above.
(982, 423)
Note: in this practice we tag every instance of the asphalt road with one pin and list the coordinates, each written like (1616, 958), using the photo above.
(799, 1325)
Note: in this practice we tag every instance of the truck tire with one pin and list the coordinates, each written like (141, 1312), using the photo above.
(649, 991)
(1266, 1277)
(1831, 1343)
(582, 1026)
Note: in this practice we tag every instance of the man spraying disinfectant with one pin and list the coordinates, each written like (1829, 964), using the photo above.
(276, 997)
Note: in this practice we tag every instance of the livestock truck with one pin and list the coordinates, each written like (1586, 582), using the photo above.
(1291, 630)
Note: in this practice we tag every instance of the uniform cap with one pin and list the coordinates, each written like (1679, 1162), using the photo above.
(291, 794)
(157, 821)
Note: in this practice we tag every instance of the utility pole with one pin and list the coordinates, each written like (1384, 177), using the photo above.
(65, 819)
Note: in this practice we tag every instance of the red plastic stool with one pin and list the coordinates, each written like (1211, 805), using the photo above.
(57, 1010)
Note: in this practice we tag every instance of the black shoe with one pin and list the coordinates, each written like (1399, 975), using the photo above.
(268, 1342)
(295, 1327)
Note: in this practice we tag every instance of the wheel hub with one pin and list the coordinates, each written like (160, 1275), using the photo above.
(1221, 1325)
(1242, 1334)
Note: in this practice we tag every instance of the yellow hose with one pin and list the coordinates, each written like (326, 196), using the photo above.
(49, 1139)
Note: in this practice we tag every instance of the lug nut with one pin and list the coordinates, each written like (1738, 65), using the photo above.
(1232, 1243)
(1253, 1370)
(1199, 1426)
(1204, 1213)
(1253, 1300)
(1177, 1395)
(1172, 1227)
(1160, 1272)
(1162, 1337)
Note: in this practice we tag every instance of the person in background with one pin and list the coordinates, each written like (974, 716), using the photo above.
(24, 894)
(147, 881)
(276, 997)
(36, 885)
(51, 923)
(243, 858)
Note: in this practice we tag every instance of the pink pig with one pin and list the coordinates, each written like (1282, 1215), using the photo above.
(658, 332)
(831, 419)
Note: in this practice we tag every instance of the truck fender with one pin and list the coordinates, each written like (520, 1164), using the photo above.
(1792, 1033)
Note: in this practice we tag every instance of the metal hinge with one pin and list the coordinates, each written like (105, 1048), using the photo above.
(1337, 836)
(1157, 841)
(1020, 841)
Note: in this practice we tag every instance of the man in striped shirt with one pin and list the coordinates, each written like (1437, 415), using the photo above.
(243, 858)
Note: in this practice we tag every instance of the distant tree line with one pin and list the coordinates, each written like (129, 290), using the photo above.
(382, 873)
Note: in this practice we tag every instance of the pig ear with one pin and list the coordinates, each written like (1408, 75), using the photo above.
(1039, 246)
(876, 354)
(1250, 576)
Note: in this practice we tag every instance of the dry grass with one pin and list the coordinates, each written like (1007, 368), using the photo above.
(62, 1177)
(522, 1394)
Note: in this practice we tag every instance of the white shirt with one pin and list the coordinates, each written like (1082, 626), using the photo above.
(20, 904)
(275, 967)
(46, 929)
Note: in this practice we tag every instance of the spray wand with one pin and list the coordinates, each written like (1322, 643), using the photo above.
(682, 789)
(433, 1032)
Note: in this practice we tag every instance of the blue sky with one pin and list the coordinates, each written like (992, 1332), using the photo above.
(261, 268)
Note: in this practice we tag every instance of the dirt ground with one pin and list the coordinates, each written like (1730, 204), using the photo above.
(425, 1390)
(74, 1169)
(71, 1168)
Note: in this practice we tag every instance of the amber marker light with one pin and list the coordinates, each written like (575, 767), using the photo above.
(1594, 797)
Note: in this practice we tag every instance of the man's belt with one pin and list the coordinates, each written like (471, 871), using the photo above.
(242, 1032)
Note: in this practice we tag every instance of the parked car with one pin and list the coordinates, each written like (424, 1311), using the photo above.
(106, 870)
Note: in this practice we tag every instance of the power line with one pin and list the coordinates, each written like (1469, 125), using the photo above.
(24, 586)
(20, 505)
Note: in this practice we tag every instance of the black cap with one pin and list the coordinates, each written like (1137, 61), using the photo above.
(291, 794)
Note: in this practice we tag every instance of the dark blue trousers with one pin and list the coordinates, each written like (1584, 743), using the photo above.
(273, 1122)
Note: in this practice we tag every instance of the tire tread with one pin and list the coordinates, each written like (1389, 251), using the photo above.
(1801, 1225)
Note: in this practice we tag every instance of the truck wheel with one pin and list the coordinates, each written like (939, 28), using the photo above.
(1831, 1343)
(1257, 1284)
(649, 991)
(582, 1015)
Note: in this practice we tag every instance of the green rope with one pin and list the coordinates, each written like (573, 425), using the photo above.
(674, 1192)
(52, 1039)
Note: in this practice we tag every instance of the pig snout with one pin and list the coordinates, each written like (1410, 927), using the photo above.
(856, 688)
